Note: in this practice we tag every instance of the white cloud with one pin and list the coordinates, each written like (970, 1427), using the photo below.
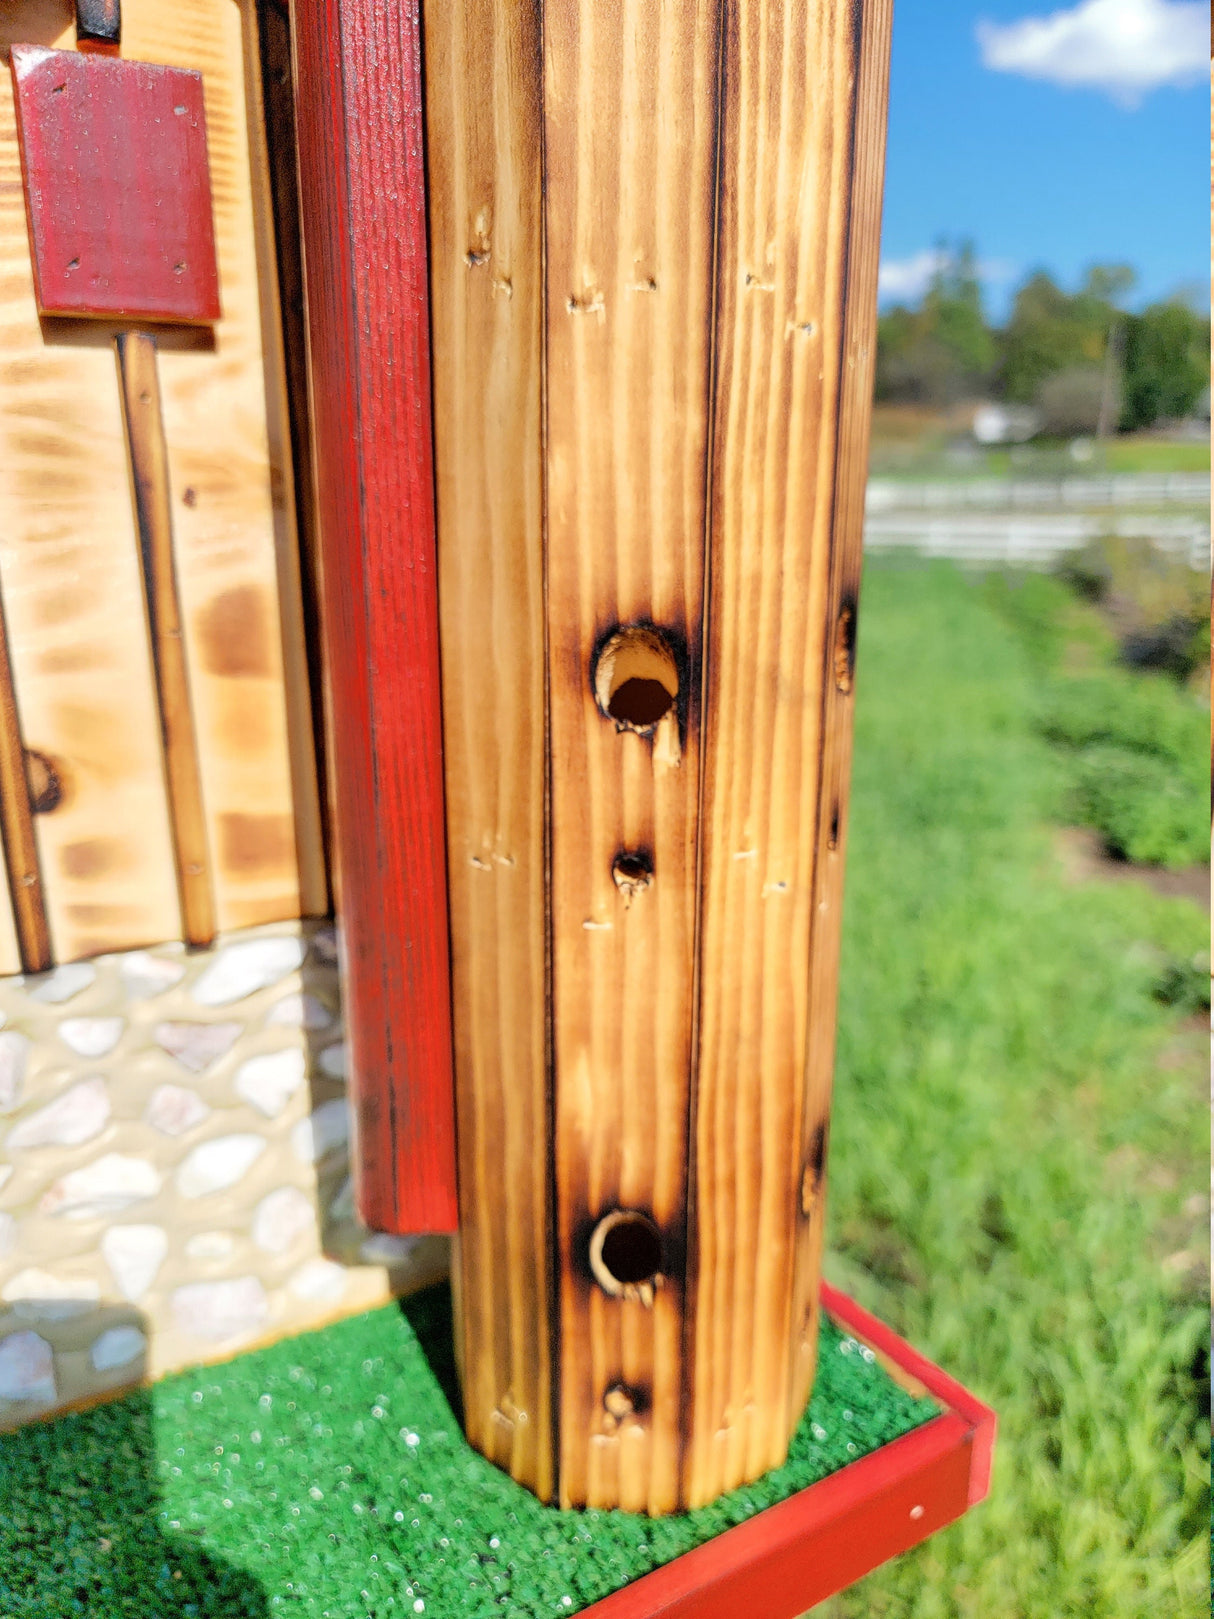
(1123, 47)
(906, 280)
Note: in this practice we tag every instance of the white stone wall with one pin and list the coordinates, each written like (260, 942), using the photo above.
(174, 1165)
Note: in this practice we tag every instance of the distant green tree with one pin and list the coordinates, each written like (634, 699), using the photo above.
(944, 350)
(1050, 330)
(1166, 360)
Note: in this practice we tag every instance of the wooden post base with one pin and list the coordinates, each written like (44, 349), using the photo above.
(796, 1554)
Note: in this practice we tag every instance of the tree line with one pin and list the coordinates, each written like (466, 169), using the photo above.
(1080, 359)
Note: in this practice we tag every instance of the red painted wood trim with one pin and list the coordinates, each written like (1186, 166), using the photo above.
(778, 1564)
(943, 1388)
(362, 192)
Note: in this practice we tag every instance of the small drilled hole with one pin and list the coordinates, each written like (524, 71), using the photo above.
(73, 264)
(636, 678)
(845, 647)
(43, 782)
(626, 1255)
(631, 871)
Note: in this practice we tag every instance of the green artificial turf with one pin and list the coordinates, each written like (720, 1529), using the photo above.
(327, 1476)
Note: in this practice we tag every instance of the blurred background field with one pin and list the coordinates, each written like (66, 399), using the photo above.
(1021, 1144)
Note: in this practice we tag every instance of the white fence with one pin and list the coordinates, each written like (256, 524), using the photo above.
(1016, 494)
(1034, 540)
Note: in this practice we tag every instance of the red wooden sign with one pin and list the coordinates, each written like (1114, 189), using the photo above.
(362, 191)
(118, 187)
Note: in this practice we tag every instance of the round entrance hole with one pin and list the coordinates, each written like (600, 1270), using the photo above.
(626, 1255)
(631, 871)
(636, 678)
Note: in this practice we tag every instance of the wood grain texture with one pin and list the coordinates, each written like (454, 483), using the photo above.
(630, 147)
(483, 95)
(230, 467)
(117, 187)
(147, 457)
(25, 941)
(793, 1556)
(73, 596)
(857, 370)
(362, 187)
(272, 131)
(69, 563)
(785, 218)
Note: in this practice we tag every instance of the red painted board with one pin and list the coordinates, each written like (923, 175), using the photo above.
(363, 211)
(117, 187)
(783, 1561)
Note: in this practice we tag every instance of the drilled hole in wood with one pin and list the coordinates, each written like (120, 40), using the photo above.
(845, 647)
(631, 871)
(636, 678)
(626, 1255)
(43, 781)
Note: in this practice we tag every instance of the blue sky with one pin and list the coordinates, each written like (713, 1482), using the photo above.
(1086, 138)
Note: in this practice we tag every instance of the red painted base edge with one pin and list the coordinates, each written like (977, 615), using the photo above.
(802, 1551)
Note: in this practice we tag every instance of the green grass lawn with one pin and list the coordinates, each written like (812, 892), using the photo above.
(927, 457)
(1021, 1141)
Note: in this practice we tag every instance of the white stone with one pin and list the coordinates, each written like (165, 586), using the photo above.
(300, 1012)
(319, 1280)
(5, 1171)
(333, 1061)
(14, 1055)
(134, 1254)
(39, 1294)
(242, 969)
(216, 1310)
(81, 1113)
(62, 983)
(281, 1218)
(196, 1045)
(217, 1164)
(173, 1110)
(323, 1130)
(106, 1186)
(145, 976)
(211, 1245)
(91, 1036)
(27, 1368)
(268, 1083)
(381, 1248)
(117, 1346)
(8, 1233)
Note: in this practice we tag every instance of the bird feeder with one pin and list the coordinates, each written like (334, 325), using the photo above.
(652, 234)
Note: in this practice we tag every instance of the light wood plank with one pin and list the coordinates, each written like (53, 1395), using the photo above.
(858, 362)
(232, 494)
(73, 596)
(79, 647)
(630, 141)
(294, 521)
(784, 187)
(486, 281)
(25, 941)
(139, 390)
